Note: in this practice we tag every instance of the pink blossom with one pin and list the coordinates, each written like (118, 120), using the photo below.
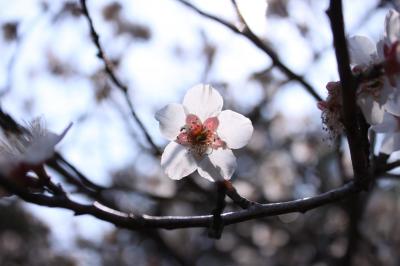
(202, 135)
(331, 110)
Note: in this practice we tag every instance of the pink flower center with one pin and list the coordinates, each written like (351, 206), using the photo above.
(199, 137)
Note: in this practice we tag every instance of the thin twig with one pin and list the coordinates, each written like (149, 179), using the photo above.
(232, 193)
(260, 44)
(110, 72)
(85, 180)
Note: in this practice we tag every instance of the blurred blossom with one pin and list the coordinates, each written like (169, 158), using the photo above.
(202, 135)
(288, 218)
(25, 151)
(254, 13)
(227, 242)
(31, 147)
(261, 234)
(372, 94)
(331, 110)
(277, 176)
(246, 189)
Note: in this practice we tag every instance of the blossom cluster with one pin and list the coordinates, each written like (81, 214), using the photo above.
(377, 67)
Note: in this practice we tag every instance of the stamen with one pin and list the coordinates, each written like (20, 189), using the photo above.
(200, 138)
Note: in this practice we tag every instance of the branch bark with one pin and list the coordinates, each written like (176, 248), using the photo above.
(118, 83)
(247, 33)
(135, 222)
(354, 127)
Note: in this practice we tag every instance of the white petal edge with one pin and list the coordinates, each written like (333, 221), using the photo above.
(389, 124)
(204, 101)
(42, 148)
(171, 119)
(390, 143)
(392, 26)
(372, 110)
(393, 105)
(379, 49)
(362, 50)
(219, 165)
(177, 161)
(235, 129)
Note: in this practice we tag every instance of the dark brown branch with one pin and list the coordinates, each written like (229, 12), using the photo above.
(135, 222)
(217, 225)
(261, 45)
(355, 208)
(357, 140)
(110, 72)
(232, 193)
(390, 166)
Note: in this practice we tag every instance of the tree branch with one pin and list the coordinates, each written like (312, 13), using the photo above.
(135, 222)
(247, 33)
(353, 126)
(118, 83)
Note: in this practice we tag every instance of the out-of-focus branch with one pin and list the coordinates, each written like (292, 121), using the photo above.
(110, 72)
(391, 166)
(260, 44)
(85, 181)
(353, 125)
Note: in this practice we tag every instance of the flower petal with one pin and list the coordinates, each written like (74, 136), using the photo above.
(372, 110)
(171, 118)
(362, 50)
(235, 129)
(379, 48)
(211, 123)
(389, 124)
(42, 147)
(217, 166)
(393, 105)
(391, 143)
(177, 161)
(204, 101)
(392, 26)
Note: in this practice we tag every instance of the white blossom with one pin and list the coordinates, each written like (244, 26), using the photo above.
(374, 93)
(390, 127)
(202, 135)
(30, 148)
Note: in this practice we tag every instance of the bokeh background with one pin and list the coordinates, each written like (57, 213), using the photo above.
(159, 49)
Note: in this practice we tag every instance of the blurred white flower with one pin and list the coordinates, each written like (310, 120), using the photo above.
(28, 149)
(202, 135)
(388, 47)
(372, 94)
(390, 127)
